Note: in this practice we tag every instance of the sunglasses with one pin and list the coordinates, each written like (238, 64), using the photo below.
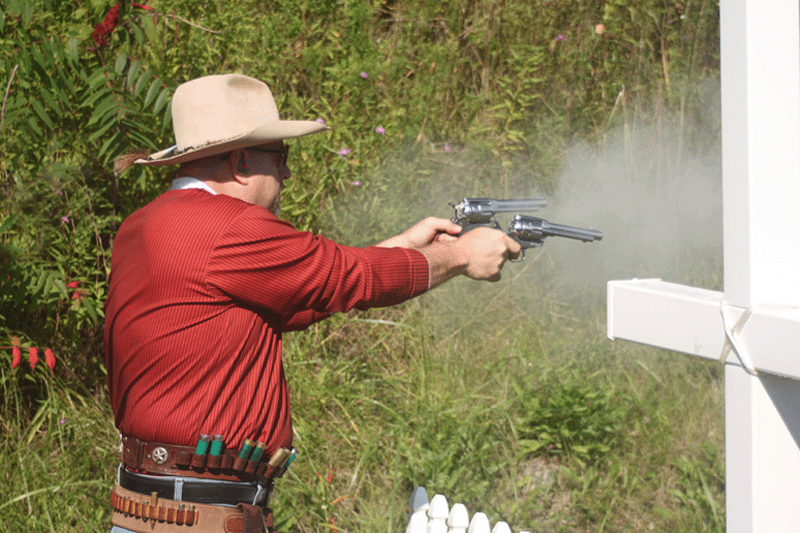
(284, 152)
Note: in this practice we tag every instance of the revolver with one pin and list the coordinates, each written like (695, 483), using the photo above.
(528, 231)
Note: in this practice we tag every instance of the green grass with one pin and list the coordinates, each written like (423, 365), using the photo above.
(452, 414)
(390, 399)
(57, 454)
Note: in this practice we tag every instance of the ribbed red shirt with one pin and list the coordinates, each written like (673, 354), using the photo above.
(201, 288)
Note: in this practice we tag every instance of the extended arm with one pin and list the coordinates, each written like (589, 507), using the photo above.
(478, 254)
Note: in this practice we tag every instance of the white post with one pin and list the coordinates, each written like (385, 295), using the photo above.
(761, 221)
(438, 512)
(458, 521)
(759, 311)
(479, 524)
(418, 511)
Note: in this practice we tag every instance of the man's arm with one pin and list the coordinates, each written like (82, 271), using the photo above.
(478, 254)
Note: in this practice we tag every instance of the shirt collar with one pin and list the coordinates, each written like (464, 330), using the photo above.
(190, 183)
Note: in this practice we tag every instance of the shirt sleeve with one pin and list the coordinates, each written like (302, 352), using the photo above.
(262, 261)
(301, 320)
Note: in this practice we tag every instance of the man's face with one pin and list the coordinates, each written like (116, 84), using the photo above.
(268, 169)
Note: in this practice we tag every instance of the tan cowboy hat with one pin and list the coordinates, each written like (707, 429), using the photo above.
(217, 114)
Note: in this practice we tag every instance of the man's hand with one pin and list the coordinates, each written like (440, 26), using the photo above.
(478, 254)
(485, 250)
(424, 233)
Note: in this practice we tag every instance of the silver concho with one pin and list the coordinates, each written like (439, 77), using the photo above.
(160, 456)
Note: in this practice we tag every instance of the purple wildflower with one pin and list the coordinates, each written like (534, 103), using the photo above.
(320, 120)
(65, 220)
(446, 147)
(356, 184)
(343, 152)
(560, 37)
(380, 131)
(364, 75)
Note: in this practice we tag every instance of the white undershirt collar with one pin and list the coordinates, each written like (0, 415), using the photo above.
(190, 183)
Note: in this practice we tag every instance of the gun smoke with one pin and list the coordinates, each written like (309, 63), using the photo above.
(653, 188)
(660, 210)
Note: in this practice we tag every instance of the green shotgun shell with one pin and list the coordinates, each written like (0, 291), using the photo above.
(257, 451)
(202, 445)
(216, 445)
(247, 448)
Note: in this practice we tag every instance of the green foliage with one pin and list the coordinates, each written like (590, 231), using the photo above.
(581, 419)
(56, 454)
(701, 487)
(68, 112)
(382, 419)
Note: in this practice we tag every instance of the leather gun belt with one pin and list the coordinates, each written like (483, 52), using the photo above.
(188, 491)
(137, 512)
(172, 460)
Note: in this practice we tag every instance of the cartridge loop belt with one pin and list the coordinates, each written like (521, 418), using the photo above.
(136, 511)
(169, 512)
(172, 460)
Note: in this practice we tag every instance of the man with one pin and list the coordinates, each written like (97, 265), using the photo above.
(204, 281)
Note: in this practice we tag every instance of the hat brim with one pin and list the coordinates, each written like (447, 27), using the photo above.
(275, 131)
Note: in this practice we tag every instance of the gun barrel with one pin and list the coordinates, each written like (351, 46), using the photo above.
(531, 229)
(483, 209)
(505, 206)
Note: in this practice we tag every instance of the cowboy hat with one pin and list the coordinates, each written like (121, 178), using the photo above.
(217, 114)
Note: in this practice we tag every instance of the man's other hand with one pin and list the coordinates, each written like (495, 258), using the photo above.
(424, 233)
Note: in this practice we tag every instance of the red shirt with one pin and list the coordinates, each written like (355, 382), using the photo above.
(200, 291)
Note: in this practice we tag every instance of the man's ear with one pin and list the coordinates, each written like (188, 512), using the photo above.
(237, 162)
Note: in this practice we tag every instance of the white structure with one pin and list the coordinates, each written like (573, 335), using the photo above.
(754, 326)
(436, 517)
